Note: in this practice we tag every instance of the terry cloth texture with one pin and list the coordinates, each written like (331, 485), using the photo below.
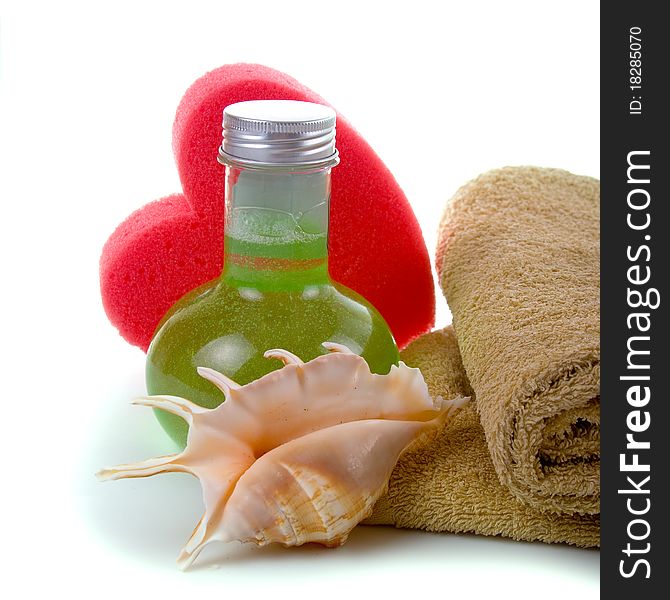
(519, 263)
(451, 484)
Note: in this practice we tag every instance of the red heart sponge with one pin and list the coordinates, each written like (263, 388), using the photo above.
(172, 245)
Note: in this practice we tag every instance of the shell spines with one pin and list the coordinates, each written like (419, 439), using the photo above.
(301, 454)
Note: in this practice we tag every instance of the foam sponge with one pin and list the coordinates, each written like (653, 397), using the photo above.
(174, 244)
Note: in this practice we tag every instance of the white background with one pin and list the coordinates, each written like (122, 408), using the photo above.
(88, 98)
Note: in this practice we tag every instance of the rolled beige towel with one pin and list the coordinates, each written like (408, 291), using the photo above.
(519, 263)
(451, 485)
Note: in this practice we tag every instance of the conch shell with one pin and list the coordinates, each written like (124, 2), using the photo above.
(301, 454)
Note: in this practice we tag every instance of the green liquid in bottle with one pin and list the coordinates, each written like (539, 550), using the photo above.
(275, 292)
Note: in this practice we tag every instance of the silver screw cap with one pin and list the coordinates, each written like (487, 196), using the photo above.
(282, 134)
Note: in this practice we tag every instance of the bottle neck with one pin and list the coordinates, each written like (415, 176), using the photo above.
(276, 231)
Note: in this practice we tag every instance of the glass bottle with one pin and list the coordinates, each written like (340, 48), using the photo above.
(275, 290)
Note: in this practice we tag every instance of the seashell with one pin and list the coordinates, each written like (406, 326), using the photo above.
(301, 454)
